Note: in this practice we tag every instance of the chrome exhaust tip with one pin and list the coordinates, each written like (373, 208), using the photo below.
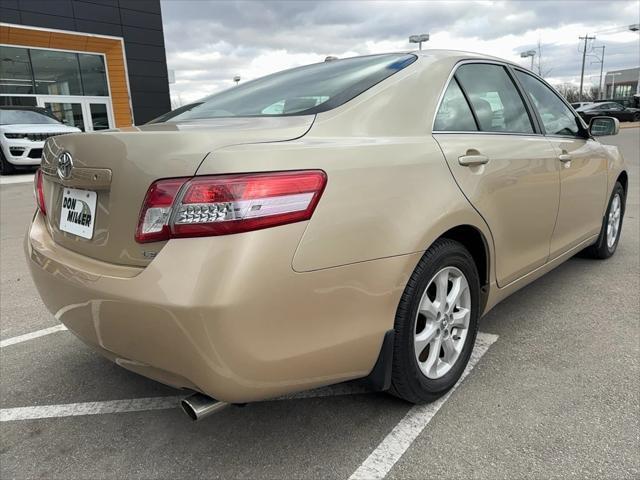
(199, 406)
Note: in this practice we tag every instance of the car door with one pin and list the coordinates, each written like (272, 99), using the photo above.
(598, 109)
(609, 110)
(583, 173)
(620, 112)
(507, 170)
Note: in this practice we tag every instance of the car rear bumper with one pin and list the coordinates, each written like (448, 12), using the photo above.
(226, 316)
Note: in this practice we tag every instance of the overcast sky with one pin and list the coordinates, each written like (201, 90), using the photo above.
(208, 42)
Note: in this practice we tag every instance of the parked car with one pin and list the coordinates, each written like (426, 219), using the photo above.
(359, 229)
(577, 105)
(610, 109)
(23, 131)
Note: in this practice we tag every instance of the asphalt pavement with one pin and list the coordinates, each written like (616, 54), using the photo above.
(553, 392)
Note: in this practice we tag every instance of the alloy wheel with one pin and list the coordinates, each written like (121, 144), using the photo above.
(613, 222)
(442, 322)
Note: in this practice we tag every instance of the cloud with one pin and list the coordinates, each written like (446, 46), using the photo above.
(208, 42)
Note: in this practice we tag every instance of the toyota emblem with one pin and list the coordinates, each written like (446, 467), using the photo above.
(65, 165)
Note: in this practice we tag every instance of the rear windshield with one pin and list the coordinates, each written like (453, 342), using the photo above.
(13, 117)
(299, 91)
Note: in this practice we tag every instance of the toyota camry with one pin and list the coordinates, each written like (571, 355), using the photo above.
(350, 219)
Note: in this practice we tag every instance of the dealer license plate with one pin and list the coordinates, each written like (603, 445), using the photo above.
(78, 214)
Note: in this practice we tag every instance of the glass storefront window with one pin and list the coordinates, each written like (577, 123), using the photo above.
(18, 101)
(15, 71)
(30, 71)
(622, 91)
(56, 73)
(68, 113)
(99, 116)
(73, 86)
(94, 75)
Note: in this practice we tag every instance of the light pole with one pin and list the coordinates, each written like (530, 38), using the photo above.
(424, 37)
(635, 28)
(529, 53)
(586, 38)
(601, 62)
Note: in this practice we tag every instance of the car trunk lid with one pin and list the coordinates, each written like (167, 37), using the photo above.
(120, 165)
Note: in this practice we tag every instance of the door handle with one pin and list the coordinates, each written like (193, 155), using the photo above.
(564, 157)
(473, 160)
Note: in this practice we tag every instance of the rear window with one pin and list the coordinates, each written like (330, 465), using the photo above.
(14, 117)
(299, 91)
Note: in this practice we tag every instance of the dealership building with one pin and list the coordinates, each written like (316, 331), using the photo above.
(622, 83)
(95, 64)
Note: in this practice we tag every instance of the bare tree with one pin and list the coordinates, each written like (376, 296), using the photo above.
(572, 92)
(568, 91)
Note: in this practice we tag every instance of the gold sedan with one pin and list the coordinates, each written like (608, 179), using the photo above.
(348, 219)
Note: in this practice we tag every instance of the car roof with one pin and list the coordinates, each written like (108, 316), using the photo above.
(22, 107)
(458, 55)
(441, 54)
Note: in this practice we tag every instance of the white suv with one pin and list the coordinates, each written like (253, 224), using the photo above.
(23, 131)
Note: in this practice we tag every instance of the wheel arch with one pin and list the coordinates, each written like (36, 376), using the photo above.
(623, 178)
(476, 243)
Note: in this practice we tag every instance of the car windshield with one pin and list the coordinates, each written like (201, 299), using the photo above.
(14, 117)
(299, 91)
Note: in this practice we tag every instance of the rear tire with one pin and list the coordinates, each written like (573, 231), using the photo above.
(420, 373)
(609, 237)
(6, 168)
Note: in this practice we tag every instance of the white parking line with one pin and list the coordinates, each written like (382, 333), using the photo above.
(375, 466)
(88, 408)
(31, 336)
(145, 404)
(6, 180)
(389, 451)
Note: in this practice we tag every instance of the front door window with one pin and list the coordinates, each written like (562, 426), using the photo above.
(557, 118)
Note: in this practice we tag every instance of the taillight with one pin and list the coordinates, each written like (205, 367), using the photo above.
(226, 204)
(38, 191)
(153, 224)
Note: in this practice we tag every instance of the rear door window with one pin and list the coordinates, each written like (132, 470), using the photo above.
(494, 98)
(454, 114)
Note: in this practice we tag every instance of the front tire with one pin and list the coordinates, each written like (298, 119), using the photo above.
(436, 323)
(609, 237)
(6, 168)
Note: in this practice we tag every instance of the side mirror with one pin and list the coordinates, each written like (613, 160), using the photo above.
(603, 126)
